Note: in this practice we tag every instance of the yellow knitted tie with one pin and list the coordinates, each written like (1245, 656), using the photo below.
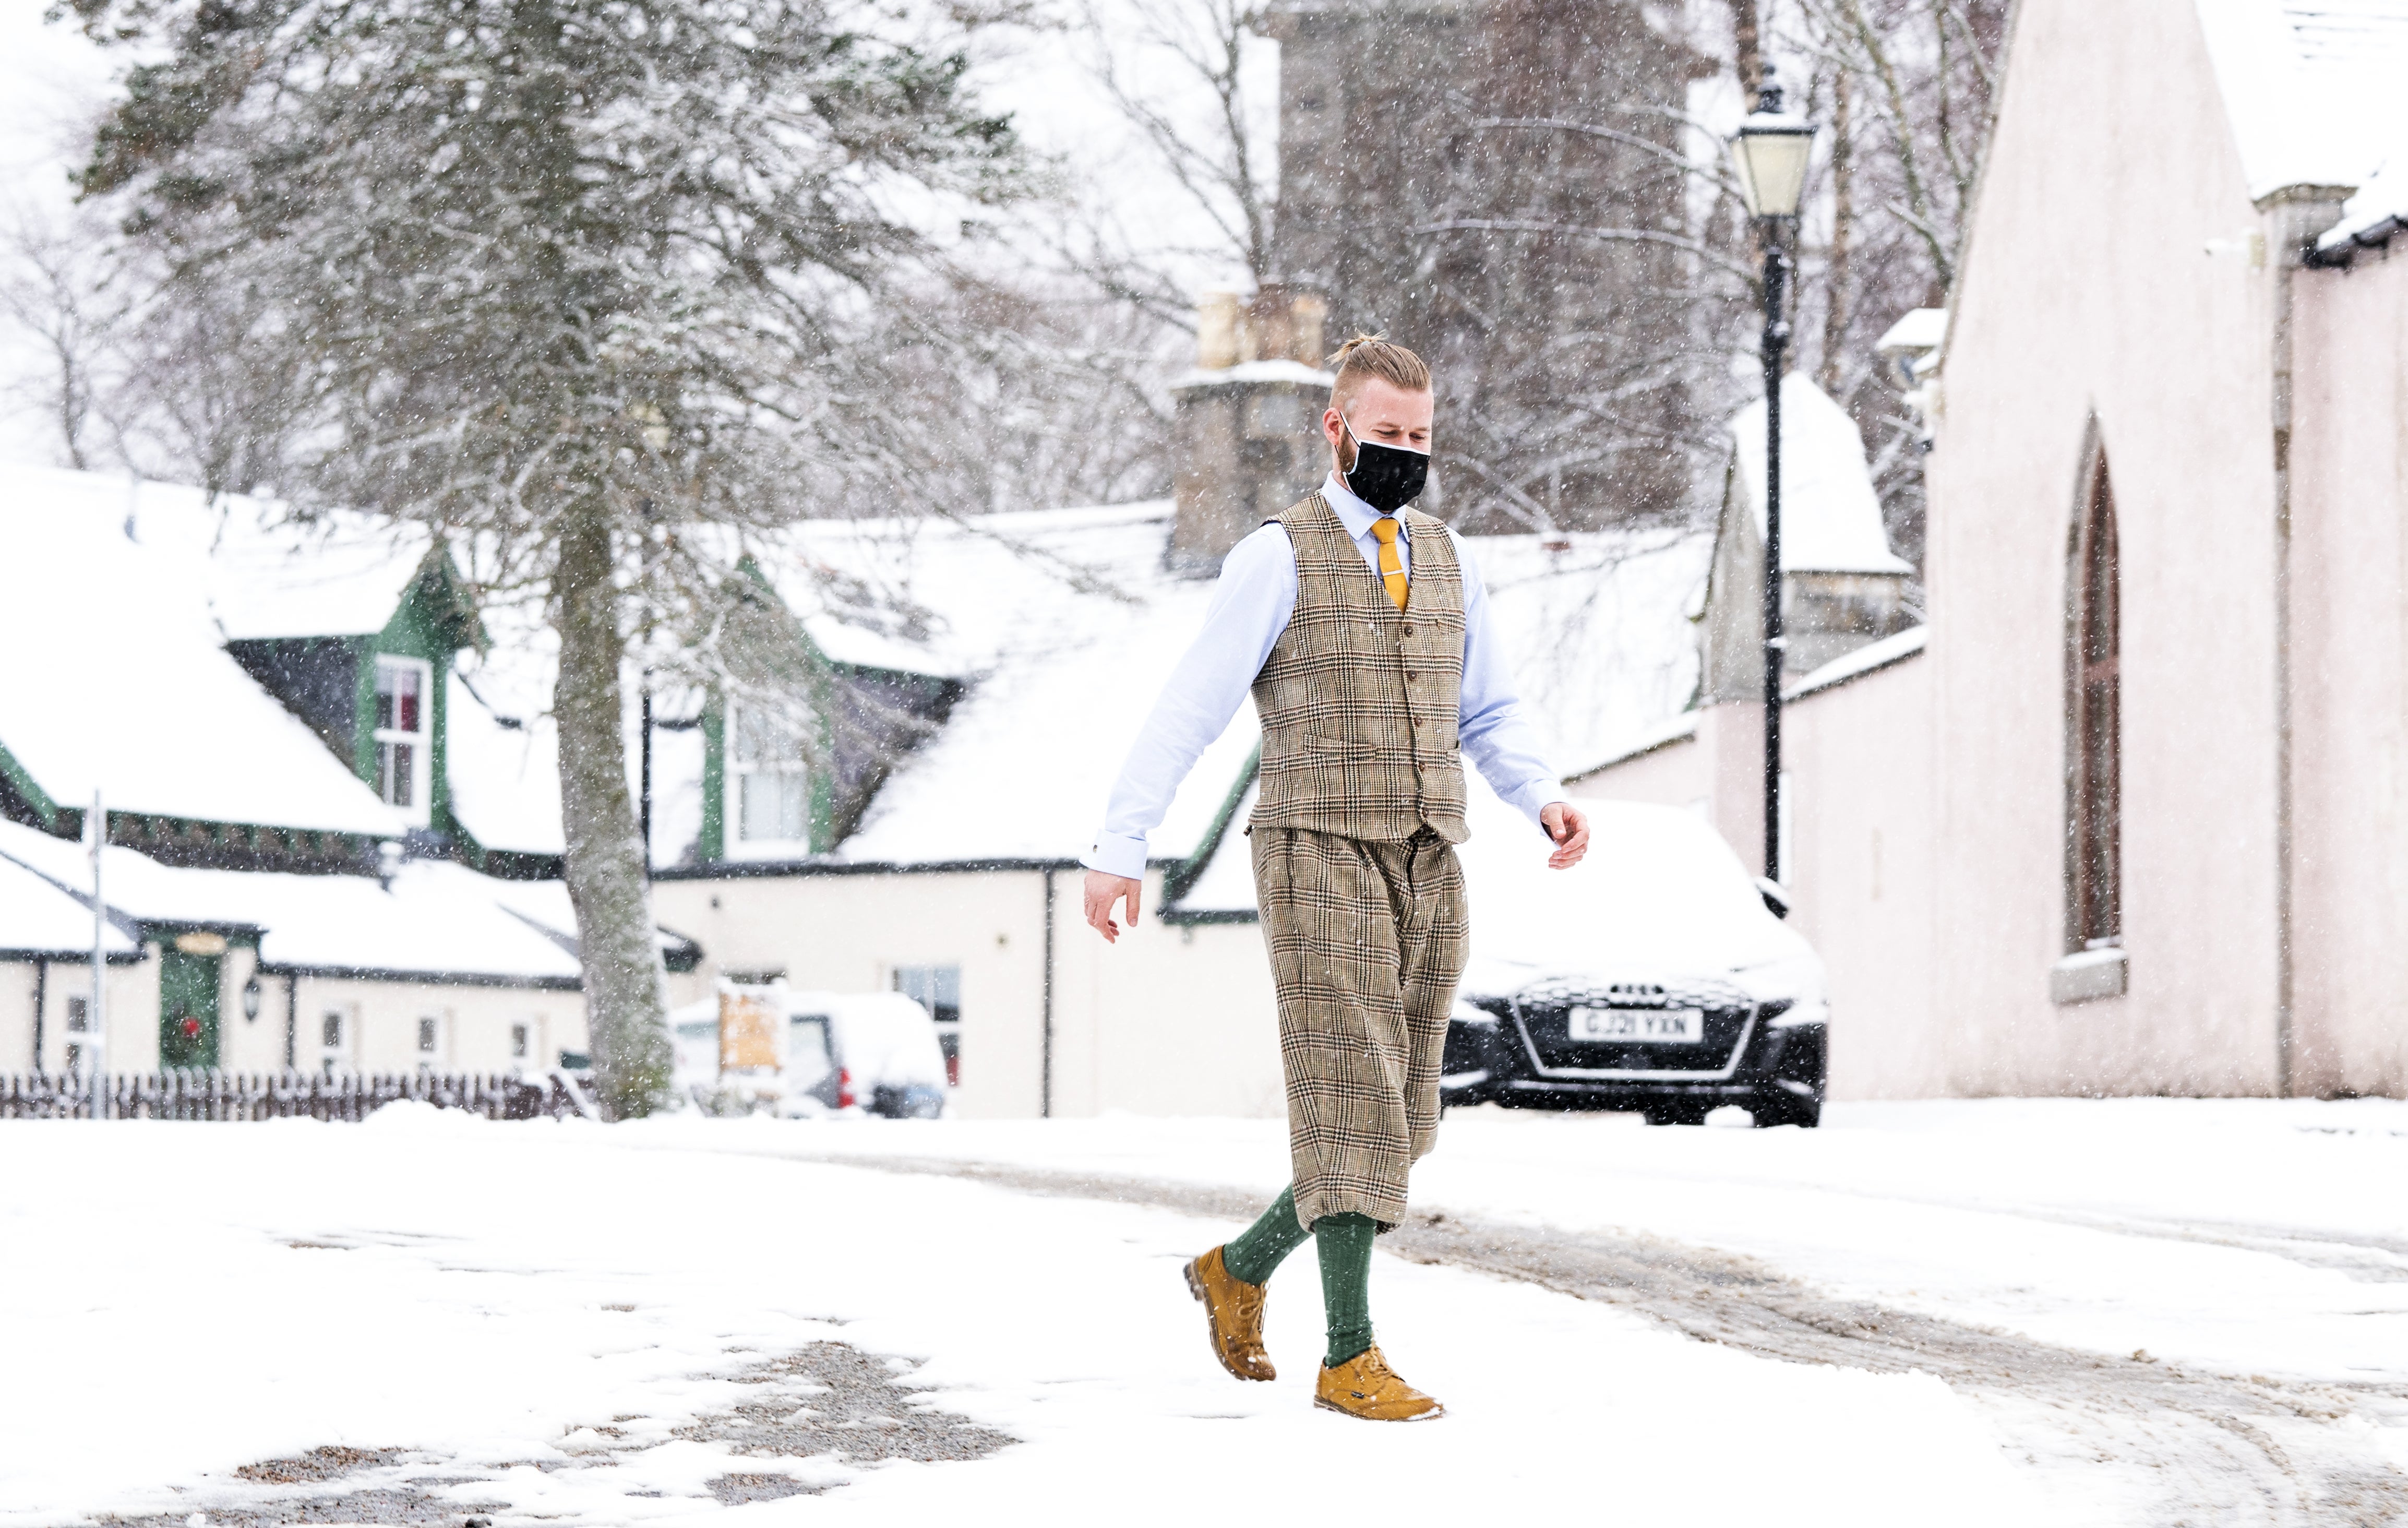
(1392, 567)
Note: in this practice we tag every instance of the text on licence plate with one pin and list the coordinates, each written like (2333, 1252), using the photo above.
(1650, 1026)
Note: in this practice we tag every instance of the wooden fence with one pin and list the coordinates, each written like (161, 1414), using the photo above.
(289, 1095)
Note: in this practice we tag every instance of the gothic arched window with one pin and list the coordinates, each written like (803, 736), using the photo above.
(2094, 817)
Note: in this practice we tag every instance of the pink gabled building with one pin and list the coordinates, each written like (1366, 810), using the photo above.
(2130, 815)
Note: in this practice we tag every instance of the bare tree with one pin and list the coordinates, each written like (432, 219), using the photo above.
(1909, 87)
(1225, 170)
(57, 286)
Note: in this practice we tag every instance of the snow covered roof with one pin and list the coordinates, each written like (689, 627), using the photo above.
(1066, 625)
(341, 576)
(1894, 648)
(117, 680)
(1830, 517)
(1254, 371)
(1598, 636)
(37, 917)
(437, 920)
(2308, 85)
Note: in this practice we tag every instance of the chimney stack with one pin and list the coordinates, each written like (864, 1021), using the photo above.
(1247, 437)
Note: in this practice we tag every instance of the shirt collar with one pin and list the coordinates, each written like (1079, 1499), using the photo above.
(1355, 515)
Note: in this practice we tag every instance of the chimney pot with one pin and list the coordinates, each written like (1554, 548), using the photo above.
(1247, 443)
(1216, 331)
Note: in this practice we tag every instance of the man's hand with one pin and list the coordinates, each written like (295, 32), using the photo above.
(1104, 889)
(1567, 823)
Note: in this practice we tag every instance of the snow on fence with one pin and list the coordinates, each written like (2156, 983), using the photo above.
(289, 1095)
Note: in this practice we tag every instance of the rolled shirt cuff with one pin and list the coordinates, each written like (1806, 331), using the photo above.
(1535, 797)
(1117, 854)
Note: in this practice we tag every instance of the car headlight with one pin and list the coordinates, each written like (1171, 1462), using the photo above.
(1798, 1014)
(1472, 1014)
(1795, 978)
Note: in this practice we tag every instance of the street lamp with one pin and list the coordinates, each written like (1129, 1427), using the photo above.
(1770, 151)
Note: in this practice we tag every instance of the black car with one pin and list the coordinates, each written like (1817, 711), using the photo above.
(1656, 978)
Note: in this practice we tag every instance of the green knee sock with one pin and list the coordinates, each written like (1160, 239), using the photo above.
(1344, 1243)
(1267, 1243)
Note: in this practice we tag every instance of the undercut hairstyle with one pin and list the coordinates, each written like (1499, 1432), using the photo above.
(1375, 356)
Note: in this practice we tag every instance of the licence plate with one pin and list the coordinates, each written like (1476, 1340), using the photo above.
(1646, 1026)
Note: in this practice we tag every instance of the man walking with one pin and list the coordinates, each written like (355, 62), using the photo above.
(1363, 633)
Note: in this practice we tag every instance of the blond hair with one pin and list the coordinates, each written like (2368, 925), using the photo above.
(1375, 356)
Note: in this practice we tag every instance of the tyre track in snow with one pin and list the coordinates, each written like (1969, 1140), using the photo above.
(2196, 1446)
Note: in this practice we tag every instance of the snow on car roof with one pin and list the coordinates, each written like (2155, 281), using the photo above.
(117, 680)
(437, 919)
(1661, 892)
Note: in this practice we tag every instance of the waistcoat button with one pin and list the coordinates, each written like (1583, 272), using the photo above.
(1408, 631)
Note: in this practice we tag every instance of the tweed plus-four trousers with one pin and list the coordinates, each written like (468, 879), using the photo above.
(1366, 939)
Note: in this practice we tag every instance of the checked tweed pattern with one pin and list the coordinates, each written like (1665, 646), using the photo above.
(1362, 900)
(1359, 700)
(1366, 939)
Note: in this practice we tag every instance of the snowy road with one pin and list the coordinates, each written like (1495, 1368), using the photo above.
(1925, 1310)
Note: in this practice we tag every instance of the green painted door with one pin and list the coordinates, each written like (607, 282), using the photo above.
(187, 1010)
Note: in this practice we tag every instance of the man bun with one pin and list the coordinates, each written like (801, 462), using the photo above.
(1375, 356)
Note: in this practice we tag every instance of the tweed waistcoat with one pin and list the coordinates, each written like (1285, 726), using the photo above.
(1359, 700)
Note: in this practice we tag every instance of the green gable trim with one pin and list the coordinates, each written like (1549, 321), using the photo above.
(1181, 878)
(30, 792)
(712, 845)
(434, 620)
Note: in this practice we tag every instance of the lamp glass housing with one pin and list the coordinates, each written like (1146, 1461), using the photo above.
(1770, 151)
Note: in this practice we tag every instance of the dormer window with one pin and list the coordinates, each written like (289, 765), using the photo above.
(404, 698)
(769, 780)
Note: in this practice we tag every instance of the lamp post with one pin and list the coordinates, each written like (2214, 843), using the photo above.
(1770, 151)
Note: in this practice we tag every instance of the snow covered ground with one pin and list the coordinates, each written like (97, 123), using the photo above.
(528, 1316)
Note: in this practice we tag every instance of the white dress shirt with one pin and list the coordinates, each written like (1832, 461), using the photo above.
(1249, 608)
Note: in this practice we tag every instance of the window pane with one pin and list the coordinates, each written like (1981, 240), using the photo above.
(773, 808)
(384, 696)
(330, 1031)
(939, 989)
(400, 774)
(807, 1052)
(518, 1041)
(426, 1034)
(410, 681)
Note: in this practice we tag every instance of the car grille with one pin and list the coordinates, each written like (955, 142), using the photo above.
(1543, 1011)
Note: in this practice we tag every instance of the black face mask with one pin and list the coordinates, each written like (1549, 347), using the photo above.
(1387, 478)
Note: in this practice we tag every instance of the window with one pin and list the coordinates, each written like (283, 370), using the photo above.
(770, 778)
(428, 1033)
(517, 1042)
(404, 692)
(938, 990)
(333, 1032)
(2094, 824)
(78, 1013)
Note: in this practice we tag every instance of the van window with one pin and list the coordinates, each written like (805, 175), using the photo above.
(938, 990)
(808, 1059)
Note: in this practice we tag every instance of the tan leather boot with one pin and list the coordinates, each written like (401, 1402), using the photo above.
(1364, 1386)
(1235, 1309)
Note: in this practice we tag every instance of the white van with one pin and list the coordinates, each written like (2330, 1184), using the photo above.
(833, 1051)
